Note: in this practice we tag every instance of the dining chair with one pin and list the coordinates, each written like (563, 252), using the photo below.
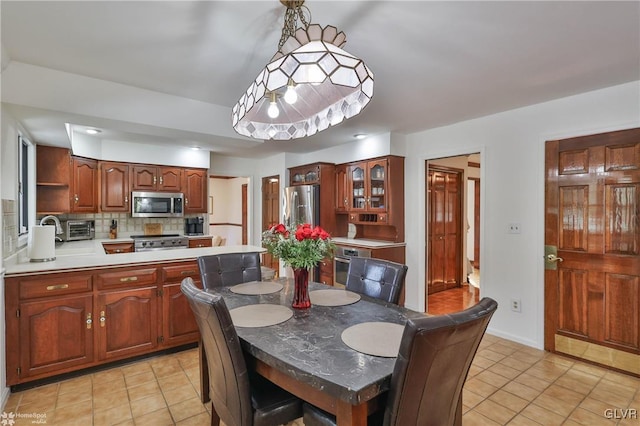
(239, 396)
(227, 269)
(381, 279)
(430, 370)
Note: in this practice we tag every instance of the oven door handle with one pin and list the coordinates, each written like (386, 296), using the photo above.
(342, 259)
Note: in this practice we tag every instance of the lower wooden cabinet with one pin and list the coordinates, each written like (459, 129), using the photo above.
(62, 322)
(55, 335)
(127, 323)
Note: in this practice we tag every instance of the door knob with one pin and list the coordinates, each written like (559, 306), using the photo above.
(554, 258)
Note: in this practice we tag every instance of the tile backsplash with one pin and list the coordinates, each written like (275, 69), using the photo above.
(9, 227)
(128, 225)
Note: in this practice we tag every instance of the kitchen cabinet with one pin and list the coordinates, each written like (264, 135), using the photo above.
(66, 321)
(200, 242)
(127, 322)
(116, 248)
(114, 194)
(49, 325)
(179, 326)
(367, 186)
(156, 178)
(309, 174)
(195, 191)
(53, 179)
(342, 200)
(84, 185)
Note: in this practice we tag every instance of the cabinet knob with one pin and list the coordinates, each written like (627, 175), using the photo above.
(75, 198)
(186, 201)
(155, 180)
(160, 180)
(103, 319)
(126, 199)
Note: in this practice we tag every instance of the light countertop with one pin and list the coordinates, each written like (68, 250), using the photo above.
(89, 254)
(362, 242)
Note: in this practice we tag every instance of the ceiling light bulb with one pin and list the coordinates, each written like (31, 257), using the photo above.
(290, 96)
(273, 111)
(359, 136)
(93, 131)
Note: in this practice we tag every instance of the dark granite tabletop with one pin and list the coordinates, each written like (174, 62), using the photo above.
(308, 346)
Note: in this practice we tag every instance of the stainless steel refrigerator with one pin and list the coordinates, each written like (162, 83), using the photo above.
(301, 204)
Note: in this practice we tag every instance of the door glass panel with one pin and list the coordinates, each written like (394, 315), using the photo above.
(376, 185)
(357, 188)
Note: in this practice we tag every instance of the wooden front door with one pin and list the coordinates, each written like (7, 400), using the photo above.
(444, 193)
(592, 295)
(270, 212)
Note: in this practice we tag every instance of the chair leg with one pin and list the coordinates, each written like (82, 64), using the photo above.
(215, 418)
(204, 374)
(458, 419)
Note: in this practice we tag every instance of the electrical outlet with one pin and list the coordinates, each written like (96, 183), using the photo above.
(513, 228)
(516, 305)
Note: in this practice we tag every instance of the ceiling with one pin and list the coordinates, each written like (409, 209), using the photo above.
(163, 72)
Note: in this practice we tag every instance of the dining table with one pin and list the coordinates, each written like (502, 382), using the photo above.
(306, 355)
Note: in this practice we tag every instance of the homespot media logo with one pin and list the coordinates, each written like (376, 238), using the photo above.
(9, 419)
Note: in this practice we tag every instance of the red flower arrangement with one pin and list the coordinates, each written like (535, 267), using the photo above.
(302, 247)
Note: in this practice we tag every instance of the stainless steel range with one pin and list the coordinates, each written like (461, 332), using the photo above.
(159, 242)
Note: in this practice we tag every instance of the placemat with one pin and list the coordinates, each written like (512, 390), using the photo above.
(374, 338)
(261, 315)
(257, 287)
(333, 297)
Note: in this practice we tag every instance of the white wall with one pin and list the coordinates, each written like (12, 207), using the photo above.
(511, 145)
(227, 208)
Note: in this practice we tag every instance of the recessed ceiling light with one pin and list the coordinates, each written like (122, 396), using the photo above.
(93, 131)
(359, 136)
(195, 148)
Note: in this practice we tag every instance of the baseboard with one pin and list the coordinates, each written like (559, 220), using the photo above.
(514, 338)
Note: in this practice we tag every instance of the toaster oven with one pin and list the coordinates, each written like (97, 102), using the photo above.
(75, 230)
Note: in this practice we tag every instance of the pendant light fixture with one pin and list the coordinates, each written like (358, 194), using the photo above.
(311, 83)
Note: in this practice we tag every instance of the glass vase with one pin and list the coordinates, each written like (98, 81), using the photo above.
(301, 289)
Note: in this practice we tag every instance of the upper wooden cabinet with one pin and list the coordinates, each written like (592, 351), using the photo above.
(375, 196)
(322, 174)
(342, 200)
(53, 179)
(309, 174)
(114, 194)
(84, 188)
(195, 191)
(367, 186)
(155, 178)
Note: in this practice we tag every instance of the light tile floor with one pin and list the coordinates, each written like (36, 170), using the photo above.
(508, 384)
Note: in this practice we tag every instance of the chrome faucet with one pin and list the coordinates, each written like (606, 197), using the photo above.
(55, 220)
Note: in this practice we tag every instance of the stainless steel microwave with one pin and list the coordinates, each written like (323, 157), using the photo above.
(157, 204)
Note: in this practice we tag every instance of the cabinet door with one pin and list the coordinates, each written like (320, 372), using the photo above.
(377, 185)
(144, 178)
(195, 191)
(115, 187)
(84, 186)
(342, 201)
(127, 322)
(178, 323)
(200, 242)
(357, 189)
(55, 335)
(170, 179)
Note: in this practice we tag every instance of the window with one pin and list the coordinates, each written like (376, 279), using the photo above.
(24, 184)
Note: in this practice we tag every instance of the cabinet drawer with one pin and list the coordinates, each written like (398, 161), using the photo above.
(54, 286)
(180, 272)
(128, 278)
(200, 242)
(114, 248)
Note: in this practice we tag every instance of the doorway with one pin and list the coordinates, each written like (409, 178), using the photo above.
(270, 213)
(452, 233)
(229, 204)
(592, 248)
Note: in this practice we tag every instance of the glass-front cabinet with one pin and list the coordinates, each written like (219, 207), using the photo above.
(368, 186)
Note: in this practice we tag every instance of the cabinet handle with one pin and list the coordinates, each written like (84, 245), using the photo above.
(346, 202)
(89, 321)
(186, 201)
(160, 180)
(57, 287)
(75, 198)
(128, 279)
(126, 199)
(155, 180)
(187, 272)
(118, 250)
(103, 319)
